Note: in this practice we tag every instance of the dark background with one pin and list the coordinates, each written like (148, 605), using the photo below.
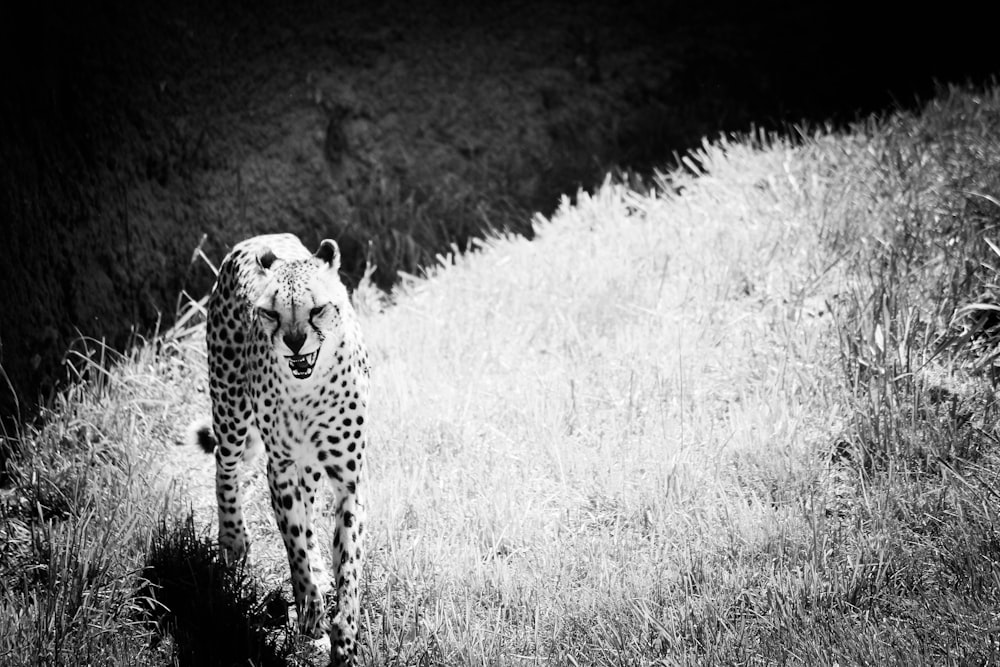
(128, 130)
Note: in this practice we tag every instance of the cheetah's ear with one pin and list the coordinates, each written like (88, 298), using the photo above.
(329, 253)
(265, 259)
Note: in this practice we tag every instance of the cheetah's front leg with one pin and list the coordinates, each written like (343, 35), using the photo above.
(291, 514)
(348, 557)
(309, 481)
(232, 530)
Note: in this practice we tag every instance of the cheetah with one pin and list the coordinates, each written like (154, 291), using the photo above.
(288, 370)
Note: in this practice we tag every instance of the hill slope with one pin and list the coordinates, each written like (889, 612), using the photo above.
(735, 419)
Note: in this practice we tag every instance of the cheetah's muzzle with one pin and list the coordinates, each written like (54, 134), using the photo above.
(302, 364)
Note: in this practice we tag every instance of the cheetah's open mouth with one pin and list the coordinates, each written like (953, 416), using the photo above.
(302, 364)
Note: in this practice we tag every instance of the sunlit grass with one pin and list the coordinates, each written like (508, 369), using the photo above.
(583, 442)
(745, 417)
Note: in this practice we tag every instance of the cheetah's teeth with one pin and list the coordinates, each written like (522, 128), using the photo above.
(302, 364)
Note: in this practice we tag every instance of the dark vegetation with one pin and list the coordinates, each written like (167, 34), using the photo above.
(210, 614)
(128, 131)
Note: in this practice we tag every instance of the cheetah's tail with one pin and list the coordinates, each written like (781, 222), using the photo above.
(199, 432)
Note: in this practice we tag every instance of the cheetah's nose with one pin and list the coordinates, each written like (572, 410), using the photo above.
(294, 340)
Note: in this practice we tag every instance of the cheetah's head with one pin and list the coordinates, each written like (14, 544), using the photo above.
(301, 306)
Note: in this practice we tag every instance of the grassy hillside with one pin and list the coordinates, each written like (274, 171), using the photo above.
(744, 415)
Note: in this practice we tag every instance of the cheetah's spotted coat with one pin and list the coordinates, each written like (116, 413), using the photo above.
(288, 368)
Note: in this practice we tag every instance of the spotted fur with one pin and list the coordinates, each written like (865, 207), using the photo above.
(288, 369)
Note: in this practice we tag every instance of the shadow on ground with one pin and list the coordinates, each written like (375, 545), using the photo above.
(206, 614)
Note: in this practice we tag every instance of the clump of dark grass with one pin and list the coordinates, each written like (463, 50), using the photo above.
(206, 613)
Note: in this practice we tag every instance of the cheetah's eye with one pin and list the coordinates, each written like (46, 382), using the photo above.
(270, 315)
(317, 311)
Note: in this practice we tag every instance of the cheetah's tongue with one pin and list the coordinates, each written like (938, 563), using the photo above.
(302, 364)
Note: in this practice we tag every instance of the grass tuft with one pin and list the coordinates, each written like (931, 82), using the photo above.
(206, 613)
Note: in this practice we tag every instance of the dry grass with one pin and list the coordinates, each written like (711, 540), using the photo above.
(587, 444)
(743, 418)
